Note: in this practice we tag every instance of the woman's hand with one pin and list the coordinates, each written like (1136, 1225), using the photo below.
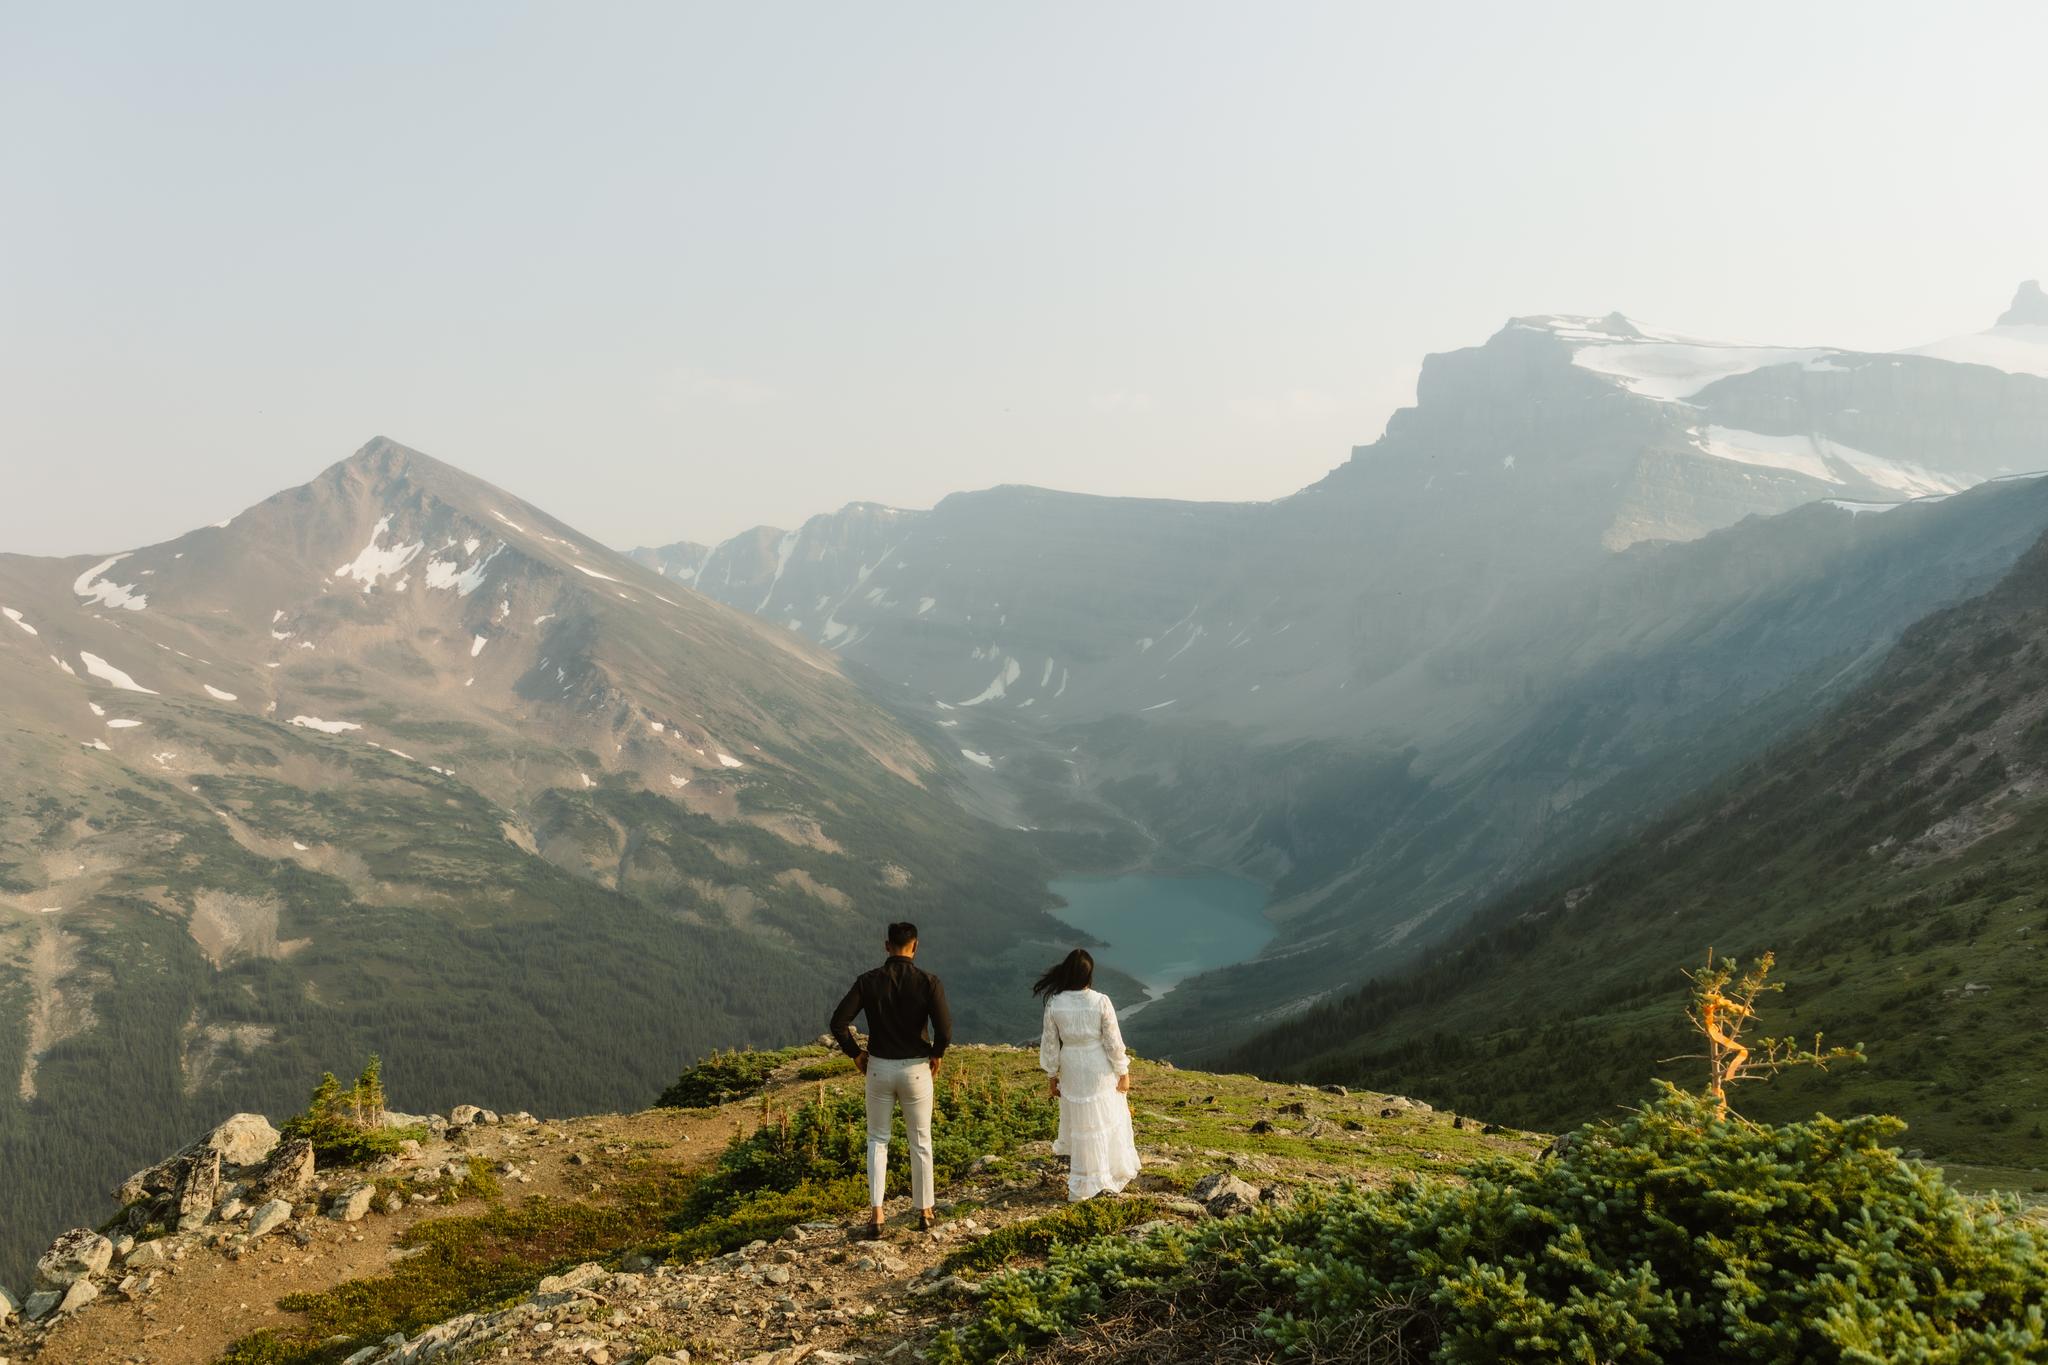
(1123, 1084)
(861, 1062)
(1054, 1087)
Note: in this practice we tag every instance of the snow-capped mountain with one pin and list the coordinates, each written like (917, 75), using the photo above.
(2018, 344)
(1559, 442)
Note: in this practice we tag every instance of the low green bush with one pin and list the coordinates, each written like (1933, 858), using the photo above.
(1069, 1226)
(723, 1076)
(1671, 1236)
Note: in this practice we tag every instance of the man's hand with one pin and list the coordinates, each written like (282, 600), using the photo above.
(1054, 1087)
(1123, 1084)
(861, 1062)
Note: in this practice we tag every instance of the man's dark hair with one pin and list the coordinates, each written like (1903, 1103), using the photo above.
(902, 934)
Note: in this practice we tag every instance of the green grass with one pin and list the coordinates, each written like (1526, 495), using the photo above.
(810, 1162)
(1070, 1226)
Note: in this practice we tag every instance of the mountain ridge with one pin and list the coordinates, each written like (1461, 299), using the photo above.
(394, 761)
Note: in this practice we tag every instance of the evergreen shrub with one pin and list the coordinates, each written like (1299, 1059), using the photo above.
(1675, 1235)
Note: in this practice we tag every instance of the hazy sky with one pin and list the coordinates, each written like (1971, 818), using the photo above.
(670, 270)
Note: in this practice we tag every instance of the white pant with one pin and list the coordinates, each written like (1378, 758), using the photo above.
(907, 1082)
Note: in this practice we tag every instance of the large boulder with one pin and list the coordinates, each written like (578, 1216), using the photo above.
(243, 1140)
(288, 1172)
(78, 1255)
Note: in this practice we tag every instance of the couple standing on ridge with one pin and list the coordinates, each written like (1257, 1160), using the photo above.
(1080, 1048)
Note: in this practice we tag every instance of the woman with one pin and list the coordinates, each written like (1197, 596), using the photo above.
(1082, 1049)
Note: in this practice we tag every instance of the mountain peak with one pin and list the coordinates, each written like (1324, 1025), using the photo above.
(2029, 307)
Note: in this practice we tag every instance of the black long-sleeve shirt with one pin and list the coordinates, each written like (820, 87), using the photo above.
(898, 998)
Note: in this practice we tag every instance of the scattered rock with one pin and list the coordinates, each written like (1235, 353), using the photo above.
(1262, 1127)
(81, 1293)
(9, 1306)
(352, 1203)
(1223, 1194)
(1336, 1090)
(40, 1304)
(590, 1272)
(147, 1254)
(77, 1255)
(268, 1218)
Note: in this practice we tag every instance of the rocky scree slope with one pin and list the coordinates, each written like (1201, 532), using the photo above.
(396, 762)
(511, 1237)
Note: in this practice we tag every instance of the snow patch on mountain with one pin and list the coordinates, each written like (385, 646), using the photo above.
(2020, 349)
(377, 561)
(977, 757)
(1673, 371)
(1829, 461)
(217, 694)
(11, 614)
(106, 592)
(449, 573)
(996, 690)
(326, 727)
(106, 672)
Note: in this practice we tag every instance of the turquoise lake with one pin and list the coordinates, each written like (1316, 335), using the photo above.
(1163, 930)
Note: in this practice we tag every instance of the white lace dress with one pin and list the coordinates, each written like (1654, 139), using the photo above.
(1082, 1045)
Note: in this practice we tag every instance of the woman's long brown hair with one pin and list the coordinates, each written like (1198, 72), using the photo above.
(1074, 972)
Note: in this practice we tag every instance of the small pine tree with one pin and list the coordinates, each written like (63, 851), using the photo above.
(1723, 1007)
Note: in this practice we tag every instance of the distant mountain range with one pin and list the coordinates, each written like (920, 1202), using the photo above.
(1593, 566)
(395, 761)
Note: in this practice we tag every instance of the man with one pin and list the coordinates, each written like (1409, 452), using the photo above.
(902, 1056)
